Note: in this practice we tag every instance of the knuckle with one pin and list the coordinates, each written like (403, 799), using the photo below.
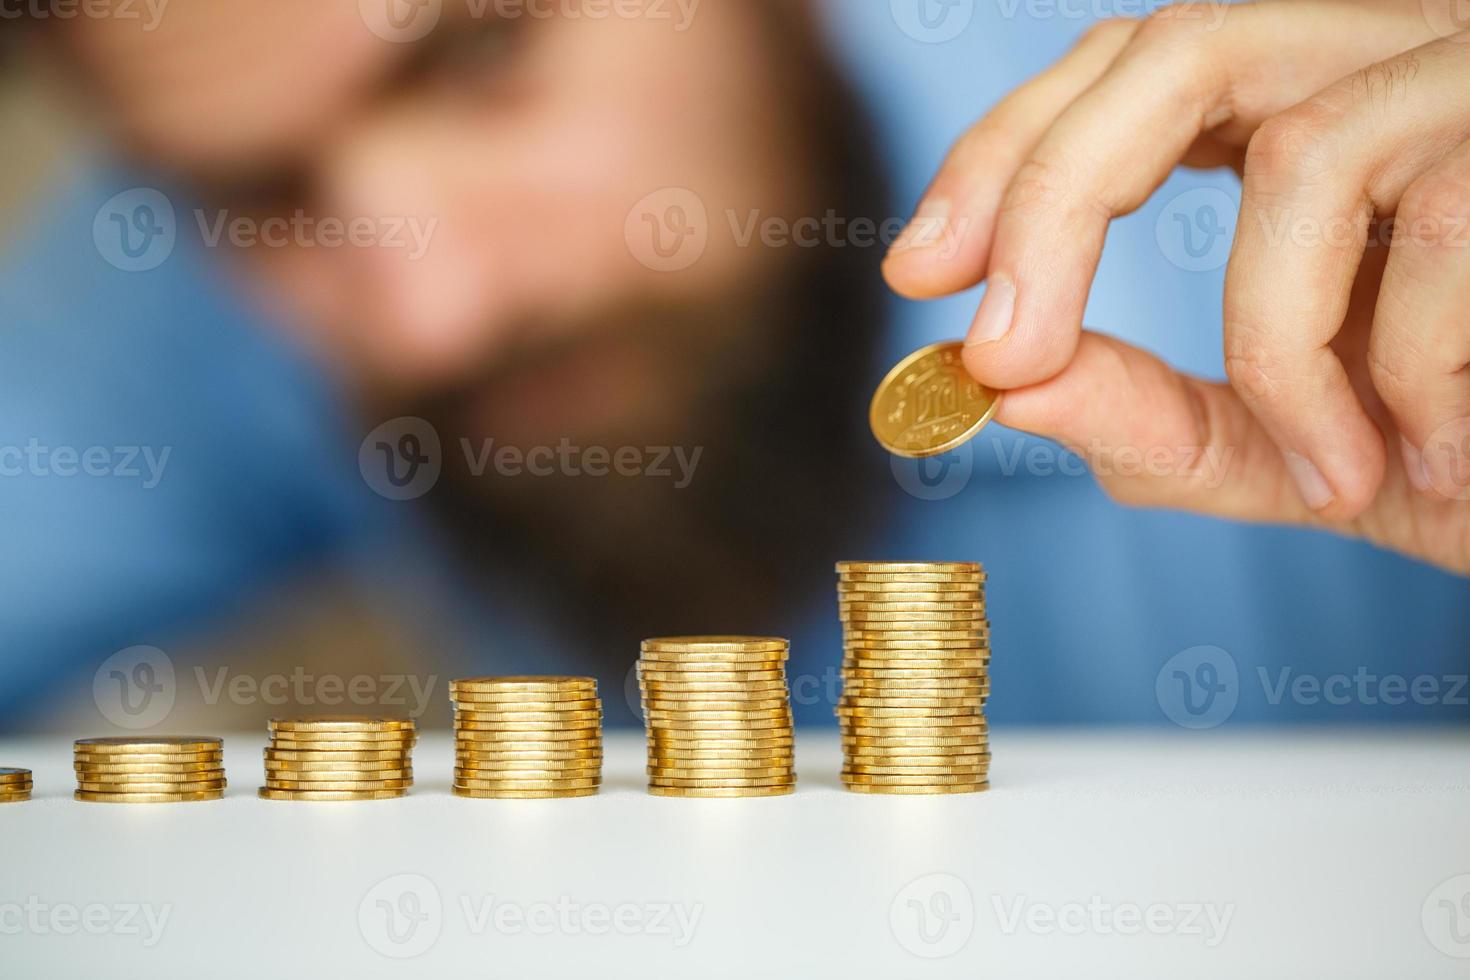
(1037, 184)
(1252, 374)
(1435, 211)
(1295, 148)
(1176, 19)
(1390, 368)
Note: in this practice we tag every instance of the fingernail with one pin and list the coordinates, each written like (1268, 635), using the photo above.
(993, 320)
(1414, 464)
(926, 228)
(1309, 480)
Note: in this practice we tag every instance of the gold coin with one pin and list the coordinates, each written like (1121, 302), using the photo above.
(915, 731)
(293, 745)
(757, 729)
(151, 745)
(696, 690)
(24, 787)
(336, 775)
(914, 647)
(716, 757)
(902, 720)
(475, 740)
(346, 758)
(148, 768)
(582, 770)
(366, 786)
(494, 714)
(87, 796)
(778, 757)
(738, 678)
(977, 787)
(706, 773)
(582, 729)
(14, 775)
(303, 796)
(715, 703)
(331, 724)
(934, 744)
(733, 782)
(716, 644)
(853, 699)
(722, 792)
(920, 684)
(914, 772)
(852, 587)
(922, 606)
(902, 634)
(915, 579)
(532, 708)
(522, 685)
(129, 778)
(910, 568)
(777, 711)
(936, 779)
(363, 738)
(534, 755)
(589, 782)
(147, 758)
(939, 675)
(752, 743)
(135, 789)
(522, 794)
(859, 625)
(15, 797)
(334, 765)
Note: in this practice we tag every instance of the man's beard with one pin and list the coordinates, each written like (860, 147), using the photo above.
(719, 517)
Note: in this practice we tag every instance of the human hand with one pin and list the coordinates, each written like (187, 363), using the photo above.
(1340, 331)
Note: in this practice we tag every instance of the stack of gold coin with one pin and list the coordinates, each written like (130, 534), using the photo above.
(916, 676)
(334, 759)
(526, 737)
(718, 716)
(149, 769)
(15, 785)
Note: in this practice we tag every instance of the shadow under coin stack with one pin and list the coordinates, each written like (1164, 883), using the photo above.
(186, 769)
(526, 737)
(718, 716)
(339, 759)
(15, 785)
(916, 676)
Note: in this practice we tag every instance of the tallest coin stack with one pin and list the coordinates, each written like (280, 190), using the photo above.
(916, 675)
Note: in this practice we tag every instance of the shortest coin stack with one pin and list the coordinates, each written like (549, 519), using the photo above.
(185, 769)
(526, 737)
(338, 759)
(718, 716)
(15, 785)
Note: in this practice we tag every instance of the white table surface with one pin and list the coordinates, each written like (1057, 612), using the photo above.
(1319, 855)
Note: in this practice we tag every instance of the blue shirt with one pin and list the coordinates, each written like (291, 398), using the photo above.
(167, 458)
